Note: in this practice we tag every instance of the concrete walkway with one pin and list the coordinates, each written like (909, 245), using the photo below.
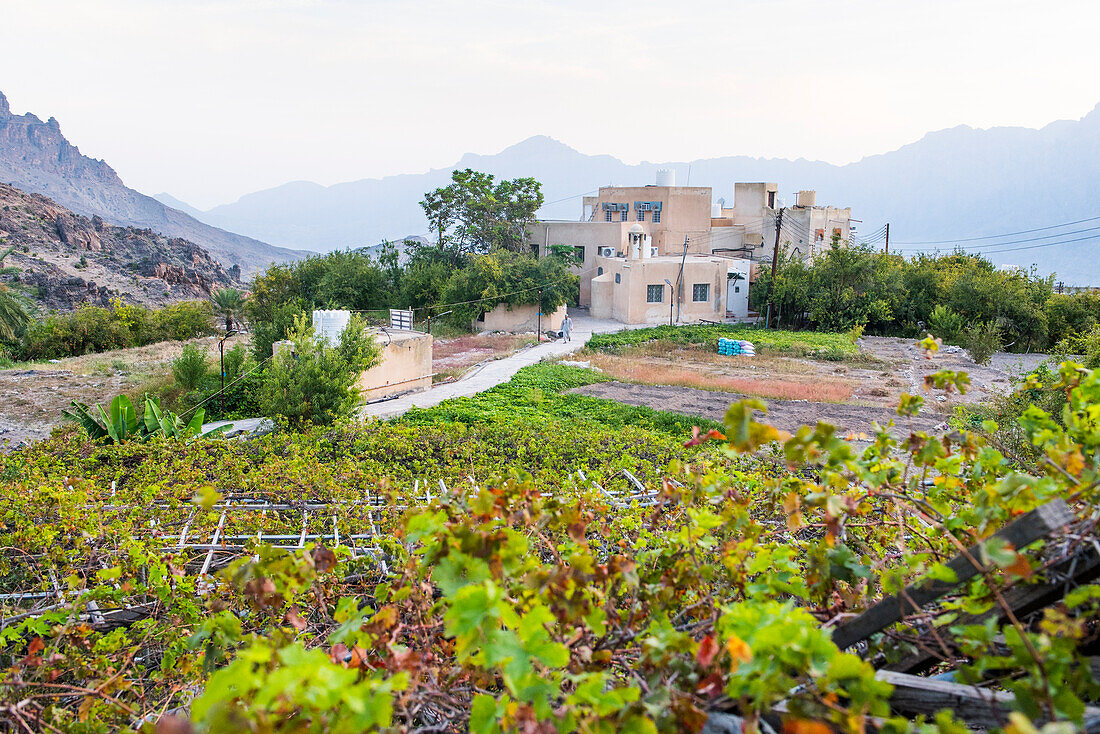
(491, 374)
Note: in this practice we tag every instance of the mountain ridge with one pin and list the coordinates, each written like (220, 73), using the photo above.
(958, 182)
(36, 157)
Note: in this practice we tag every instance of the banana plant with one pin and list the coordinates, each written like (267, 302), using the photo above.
(119, 422)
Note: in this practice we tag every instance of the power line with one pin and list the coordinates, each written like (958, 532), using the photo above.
(1010, 249)
(977, 248)
(998, 236)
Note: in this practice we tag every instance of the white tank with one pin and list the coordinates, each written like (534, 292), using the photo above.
(666, 177)
(330, 324)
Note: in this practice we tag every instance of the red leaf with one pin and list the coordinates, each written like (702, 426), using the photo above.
(708, 648)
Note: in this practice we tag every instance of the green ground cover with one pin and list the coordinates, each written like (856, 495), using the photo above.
(819, 345)
(537, 394)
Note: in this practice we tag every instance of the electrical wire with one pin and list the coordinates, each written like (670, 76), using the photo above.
(998, 236)
(1023, 241)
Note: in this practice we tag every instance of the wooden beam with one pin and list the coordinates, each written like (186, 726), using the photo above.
(1021, 532)
(1022, 599)
(978, 707)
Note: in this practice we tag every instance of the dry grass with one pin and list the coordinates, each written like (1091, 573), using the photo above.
(666, 372)
(453, 356)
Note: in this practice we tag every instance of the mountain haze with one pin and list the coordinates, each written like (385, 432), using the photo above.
(957, 183)
(35, 157)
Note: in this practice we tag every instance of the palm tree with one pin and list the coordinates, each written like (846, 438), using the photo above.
(228, 302)
(14, 315)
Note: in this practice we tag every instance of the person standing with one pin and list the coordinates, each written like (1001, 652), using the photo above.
(566, 327)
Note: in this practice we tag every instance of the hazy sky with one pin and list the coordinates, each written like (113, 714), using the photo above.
(211, 99)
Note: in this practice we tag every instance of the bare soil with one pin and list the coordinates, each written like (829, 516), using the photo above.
(851, 394)
(32, 396)
(452, 356)
(788, 415)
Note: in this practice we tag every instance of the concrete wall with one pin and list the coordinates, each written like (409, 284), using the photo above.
(685, 213)
(406, 365)
(625, 299)
(589, 235)
(519, 319)
(737, 289)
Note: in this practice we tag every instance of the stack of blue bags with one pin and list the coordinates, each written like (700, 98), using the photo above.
(732, 347)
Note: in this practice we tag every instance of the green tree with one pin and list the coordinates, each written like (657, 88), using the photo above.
(509, 278)
(229, 304)
(316, 382)
(475, 213)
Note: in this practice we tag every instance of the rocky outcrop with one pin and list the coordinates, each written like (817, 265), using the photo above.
(36, 157)
(68, 259)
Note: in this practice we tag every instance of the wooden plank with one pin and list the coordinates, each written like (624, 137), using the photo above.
(978, 707)
(1022, 599)
(1021, 532)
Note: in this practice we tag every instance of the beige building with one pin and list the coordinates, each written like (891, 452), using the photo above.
(665, 224)
(638, 285)
(748, 228)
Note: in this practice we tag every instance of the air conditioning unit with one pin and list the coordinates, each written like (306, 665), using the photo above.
(606, 252)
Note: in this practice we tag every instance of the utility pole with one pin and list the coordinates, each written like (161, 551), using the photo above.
(887, 238)
(538, 334)
(775, 266)
(680, 280)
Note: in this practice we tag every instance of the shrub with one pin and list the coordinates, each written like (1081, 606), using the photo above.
(982, 340)
(90, 329)
(316, 383)
(236, 361)
(190, 368)
(185, 320)
(945, 324)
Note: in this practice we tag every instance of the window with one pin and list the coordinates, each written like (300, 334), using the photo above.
(737, 289)
(654, 294)
(607, 215)
(578, 253)
(618, 277)
(819, 235)
(599, 271)
(641, 215)
(624, 214)
(771, 199)
(656, 215)
(700, 292)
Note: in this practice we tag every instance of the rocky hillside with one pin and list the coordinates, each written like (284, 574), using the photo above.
(36, 157)
(68, 259)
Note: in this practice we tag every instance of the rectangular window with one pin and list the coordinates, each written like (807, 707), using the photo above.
(618, 277)
(578, 253)
(655, 294)
(607, 215)
(641, 215)
(624, 214)
(700, 292)
(656, 215)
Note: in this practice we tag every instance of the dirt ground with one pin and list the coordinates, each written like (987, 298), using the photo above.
(850, 394)
(452, 356)
(33, 396)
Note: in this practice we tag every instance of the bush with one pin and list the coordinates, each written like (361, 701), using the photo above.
(945, 324)
(91, 329)
(185, 320)
(190, 368)
(982, 340)
(316, 383)
(236, 361)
